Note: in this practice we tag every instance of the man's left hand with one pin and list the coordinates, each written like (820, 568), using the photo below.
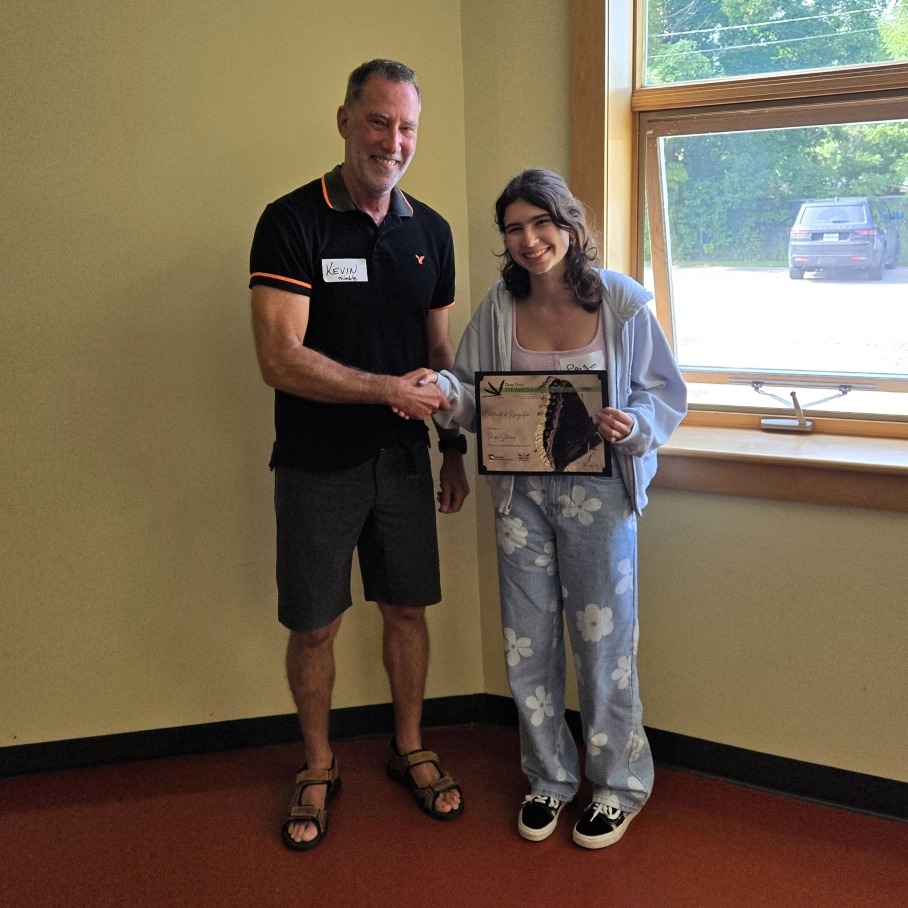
(453, 485)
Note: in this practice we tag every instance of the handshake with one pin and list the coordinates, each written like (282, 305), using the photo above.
(416, 395)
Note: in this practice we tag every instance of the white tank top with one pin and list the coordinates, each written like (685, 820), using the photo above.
(590, 357)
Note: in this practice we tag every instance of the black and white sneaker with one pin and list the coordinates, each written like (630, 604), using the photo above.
(538, 817)
(601, 825)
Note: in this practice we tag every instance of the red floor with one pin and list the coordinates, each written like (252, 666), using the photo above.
(203, 831)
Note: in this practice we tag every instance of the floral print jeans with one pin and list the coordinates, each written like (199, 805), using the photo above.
(567, 554)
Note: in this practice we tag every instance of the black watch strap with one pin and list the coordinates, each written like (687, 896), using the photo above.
(454, 443)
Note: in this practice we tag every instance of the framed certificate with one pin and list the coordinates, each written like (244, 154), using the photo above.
(541, 422)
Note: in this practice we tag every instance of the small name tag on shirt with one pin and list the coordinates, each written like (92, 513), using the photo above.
(335, 271)
(586, 362)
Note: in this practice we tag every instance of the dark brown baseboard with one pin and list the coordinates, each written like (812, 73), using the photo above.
(838, 787)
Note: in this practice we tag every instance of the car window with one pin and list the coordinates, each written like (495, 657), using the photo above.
(816, 215)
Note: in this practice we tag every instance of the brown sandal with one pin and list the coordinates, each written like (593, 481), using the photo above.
(301, 813)
(399, 766)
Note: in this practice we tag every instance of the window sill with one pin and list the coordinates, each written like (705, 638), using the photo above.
(814, 468)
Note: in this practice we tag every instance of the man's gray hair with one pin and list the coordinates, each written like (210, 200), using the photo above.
(387, 69)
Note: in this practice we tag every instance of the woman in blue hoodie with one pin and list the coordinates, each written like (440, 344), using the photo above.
(567, 543)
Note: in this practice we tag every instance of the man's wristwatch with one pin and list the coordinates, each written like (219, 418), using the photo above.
(454, 443)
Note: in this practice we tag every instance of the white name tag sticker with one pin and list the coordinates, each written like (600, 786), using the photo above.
(585, 363)
(336, 271)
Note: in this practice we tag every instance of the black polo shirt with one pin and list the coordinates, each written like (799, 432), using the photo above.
(370, 291)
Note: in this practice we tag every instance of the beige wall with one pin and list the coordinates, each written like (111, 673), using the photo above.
(777, 627)
(136, 553)
(140, 144)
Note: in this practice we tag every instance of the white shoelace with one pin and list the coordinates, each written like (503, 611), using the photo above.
(609, 812)
(552, 803)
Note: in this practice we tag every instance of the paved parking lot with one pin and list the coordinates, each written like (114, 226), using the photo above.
(733, 318)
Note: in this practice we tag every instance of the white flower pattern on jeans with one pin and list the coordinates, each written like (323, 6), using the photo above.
(516, 647)
(579, 506)
(547, 559)
(592, 592)
(541, 705)
(511, 533)
(594, 623)
(538, 495)
(627, 579)
(622, 674)
(596, 742)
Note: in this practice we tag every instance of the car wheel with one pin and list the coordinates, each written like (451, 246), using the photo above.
(875, 272)
(796, 274)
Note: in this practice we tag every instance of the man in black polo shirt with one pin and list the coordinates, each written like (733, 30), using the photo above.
(351, 281)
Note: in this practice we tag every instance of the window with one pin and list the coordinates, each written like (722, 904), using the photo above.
(772, 147)
(694, 40)
(776, 253)
(854, 460)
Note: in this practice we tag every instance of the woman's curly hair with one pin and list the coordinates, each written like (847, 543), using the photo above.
(546, 190)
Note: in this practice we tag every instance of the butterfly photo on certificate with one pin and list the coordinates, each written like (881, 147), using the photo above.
(541, 422)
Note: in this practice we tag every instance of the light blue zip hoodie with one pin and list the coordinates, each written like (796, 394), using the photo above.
(643, 378)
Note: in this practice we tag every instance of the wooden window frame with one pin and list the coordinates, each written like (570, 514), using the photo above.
(715, 451)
